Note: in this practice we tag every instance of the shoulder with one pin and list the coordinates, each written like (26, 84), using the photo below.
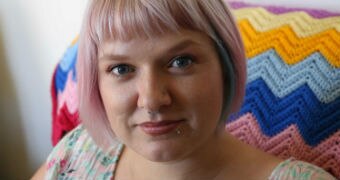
(294, 169)
(77, 156)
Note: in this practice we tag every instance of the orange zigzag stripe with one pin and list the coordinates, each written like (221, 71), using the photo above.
(291, 48)
(288, 143)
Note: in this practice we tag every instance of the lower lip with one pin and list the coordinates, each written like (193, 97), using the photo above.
(156, 130)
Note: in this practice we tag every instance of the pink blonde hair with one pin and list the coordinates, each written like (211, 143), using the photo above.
(127, 19)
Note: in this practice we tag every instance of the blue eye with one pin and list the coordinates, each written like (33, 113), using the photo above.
(181, 62)
(122, 69)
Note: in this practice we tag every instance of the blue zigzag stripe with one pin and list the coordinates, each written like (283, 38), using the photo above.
(66, 65)
(316, 121)
(321, 77)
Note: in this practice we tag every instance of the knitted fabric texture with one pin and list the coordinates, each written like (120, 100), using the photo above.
(64, 95)
(292, 103)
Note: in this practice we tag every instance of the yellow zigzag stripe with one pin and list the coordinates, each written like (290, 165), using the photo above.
(302, 23)
(291, 48)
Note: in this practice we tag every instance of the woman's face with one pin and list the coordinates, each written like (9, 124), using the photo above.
(162, 96)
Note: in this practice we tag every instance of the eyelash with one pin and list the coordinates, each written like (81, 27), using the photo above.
(112, 68)
(173, 60)
(170, 65)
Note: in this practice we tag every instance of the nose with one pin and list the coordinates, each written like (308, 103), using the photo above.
(153, 93)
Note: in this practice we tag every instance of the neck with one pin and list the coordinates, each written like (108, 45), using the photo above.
(207, 162)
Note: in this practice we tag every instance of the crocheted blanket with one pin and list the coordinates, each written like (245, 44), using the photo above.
(292, 103)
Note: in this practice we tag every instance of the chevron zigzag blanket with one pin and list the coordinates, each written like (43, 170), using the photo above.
(292, 103)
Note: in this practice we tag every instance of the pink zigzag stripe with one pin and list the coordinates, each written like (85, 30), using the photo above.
(289, 143)
(68, 96)
(281, 10)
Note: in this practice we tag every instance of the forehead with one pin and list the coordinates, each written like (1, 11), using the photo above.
(165, 42)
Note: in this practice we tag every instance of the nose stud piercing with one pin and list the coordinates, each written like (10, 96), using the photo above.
(178, 131)
(152, 113)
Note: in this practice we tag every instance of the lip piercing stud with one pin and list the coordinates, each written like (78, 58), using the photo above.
(178, 131)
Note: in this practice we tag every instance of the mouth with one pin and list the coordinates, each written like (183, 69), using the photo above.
(160, 128)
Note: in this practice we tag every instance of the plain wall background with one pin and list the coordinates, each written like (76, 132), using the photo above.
(33, 37)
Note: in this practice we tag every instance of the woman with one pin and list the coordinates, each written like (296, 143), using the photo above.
(157, 79)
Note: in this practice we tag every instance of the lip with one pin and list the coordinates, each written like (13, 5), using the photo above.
(160, 128)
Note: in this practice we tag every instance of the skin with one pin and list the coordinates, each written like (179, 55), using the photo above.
(158, 85)
(178, 77)
(40, 173)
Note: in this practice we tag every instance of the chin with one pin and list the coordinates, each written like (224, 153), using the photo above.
(162, 152)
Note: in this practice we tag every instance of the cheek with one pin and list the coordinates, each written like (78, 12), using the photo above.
(118, 103)
(205, 97)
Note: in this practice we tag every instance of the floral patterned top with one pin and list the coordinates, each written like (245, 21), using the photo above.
(76, 156)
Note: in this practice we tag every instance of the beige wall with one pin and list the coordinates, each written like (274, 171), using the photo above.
(33, 36)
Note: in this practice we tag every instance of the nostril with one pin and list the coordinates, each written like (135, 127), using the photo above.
(153, 100)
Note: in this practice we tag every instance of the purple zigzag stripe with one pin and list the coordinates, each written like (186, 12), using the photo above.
(280, 10)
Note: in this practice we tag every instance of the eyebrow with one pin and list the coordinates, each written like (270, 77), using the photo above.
(179, 46)
(182, 45)
(113, 57)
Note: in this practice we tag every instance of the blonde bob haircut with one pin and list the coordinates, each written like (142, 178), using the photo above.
(128, 19)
